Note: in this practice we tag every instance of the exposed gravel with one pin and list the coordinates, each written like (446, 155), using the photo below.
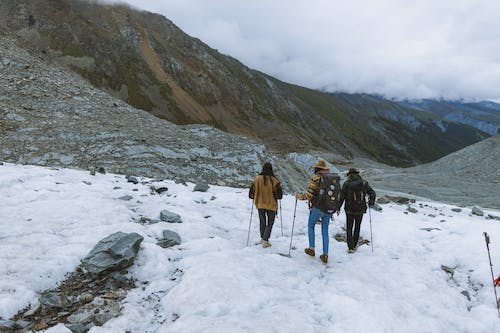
(49, 116)
(468, 177)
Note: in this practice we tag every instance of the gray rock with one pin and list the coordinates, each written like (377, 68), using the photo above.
(377, 207)
(31, 311)
(448, 270)
(87, 183)
(201, 187)
(170, 238)
(83, 315)
(180, 181)
(115, 252)
(456, 210)
(383, 200)
(170, 217)
(494, 217)
(146, 220)
(160, 190)
(22, 324)
(132, 179)
(340, 238)
(86, 298)
(101, 170)
(477, 211)
(412, 210)
(52, 300)
(111, 310)
(466, 294)
(429, 229)
(126, 197)
(1, 163)
(432, 215)
(399, 199)
(77, 328)
(7, 325)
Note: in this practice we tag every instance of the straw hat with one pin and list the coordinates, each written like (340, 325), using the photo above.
(321, 165)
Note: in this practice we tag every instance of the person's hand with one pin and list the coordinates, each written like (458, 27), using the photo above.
(298, 196)
(371, 203)
(338, 212)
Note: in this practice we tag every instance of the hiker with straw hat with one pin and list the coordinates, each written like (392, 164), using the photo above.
(316, 214)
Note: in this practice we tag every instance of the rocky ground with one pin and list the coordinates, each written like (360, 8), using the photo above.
(470, 176)
(49, 116)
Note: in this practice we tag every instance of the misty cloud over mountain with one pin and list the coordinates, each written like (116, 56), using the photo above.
(400, 49)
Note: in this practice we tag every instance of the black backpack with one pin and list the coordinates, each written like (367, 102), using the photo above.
(329, 193)
(355, 201)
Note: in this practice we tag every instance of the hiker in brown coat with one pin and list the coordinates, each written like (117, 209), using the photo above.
(265, 192)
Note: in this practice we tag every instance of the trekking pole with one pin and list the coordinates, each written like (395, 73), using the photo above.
(487, 240)
(371, 233)
(293, 224)
(250, 224)
(281, 220)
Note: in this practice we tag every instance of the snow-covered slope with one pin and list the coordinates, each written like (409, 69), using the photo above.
(212, 282)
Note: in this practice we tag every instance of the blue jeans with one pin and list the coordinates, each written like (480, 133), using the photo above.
(314, 216)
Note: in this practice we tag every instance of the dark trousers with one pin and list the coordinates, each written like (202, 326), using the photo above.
(352, 238)
(266, 218)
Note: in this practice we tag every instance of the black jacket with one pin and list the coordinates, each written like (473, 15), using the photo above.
(347, 195)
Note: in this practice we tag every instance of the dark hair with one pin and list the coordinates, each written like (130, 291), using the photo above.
(267, 171)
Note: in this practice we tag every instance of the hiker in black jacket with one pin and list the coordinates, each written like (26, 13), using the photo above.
(354, 192)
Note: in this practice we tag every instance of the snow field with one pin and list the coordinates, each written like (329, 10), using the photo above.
(212, 282)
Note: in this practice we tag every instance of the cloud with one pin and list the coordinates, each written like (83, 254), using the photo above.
(398, 48)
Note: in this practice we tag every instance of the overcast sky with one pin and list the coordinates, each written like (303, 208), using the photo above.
(398, 48)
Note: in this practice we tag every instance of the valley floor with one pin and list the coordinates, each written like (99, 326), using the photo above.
(51, 218)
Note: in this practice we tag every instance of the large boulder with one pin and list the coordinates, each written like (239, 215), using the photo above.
(113, 253)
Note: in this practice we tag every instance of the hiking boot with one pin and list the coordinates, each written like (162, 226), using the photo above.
(310, 252)
(324, 258)
(265, 244)
(351, 251)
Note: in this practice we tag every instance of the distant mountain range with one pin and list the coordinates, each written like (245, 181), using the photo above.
(484, 116)
(147, 61)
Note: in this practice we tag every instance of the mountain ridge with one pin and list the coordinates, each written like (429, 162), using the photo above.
(147, 61)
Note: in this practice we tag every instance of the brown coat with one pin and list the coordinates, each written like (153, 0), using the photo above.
(263, 193)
